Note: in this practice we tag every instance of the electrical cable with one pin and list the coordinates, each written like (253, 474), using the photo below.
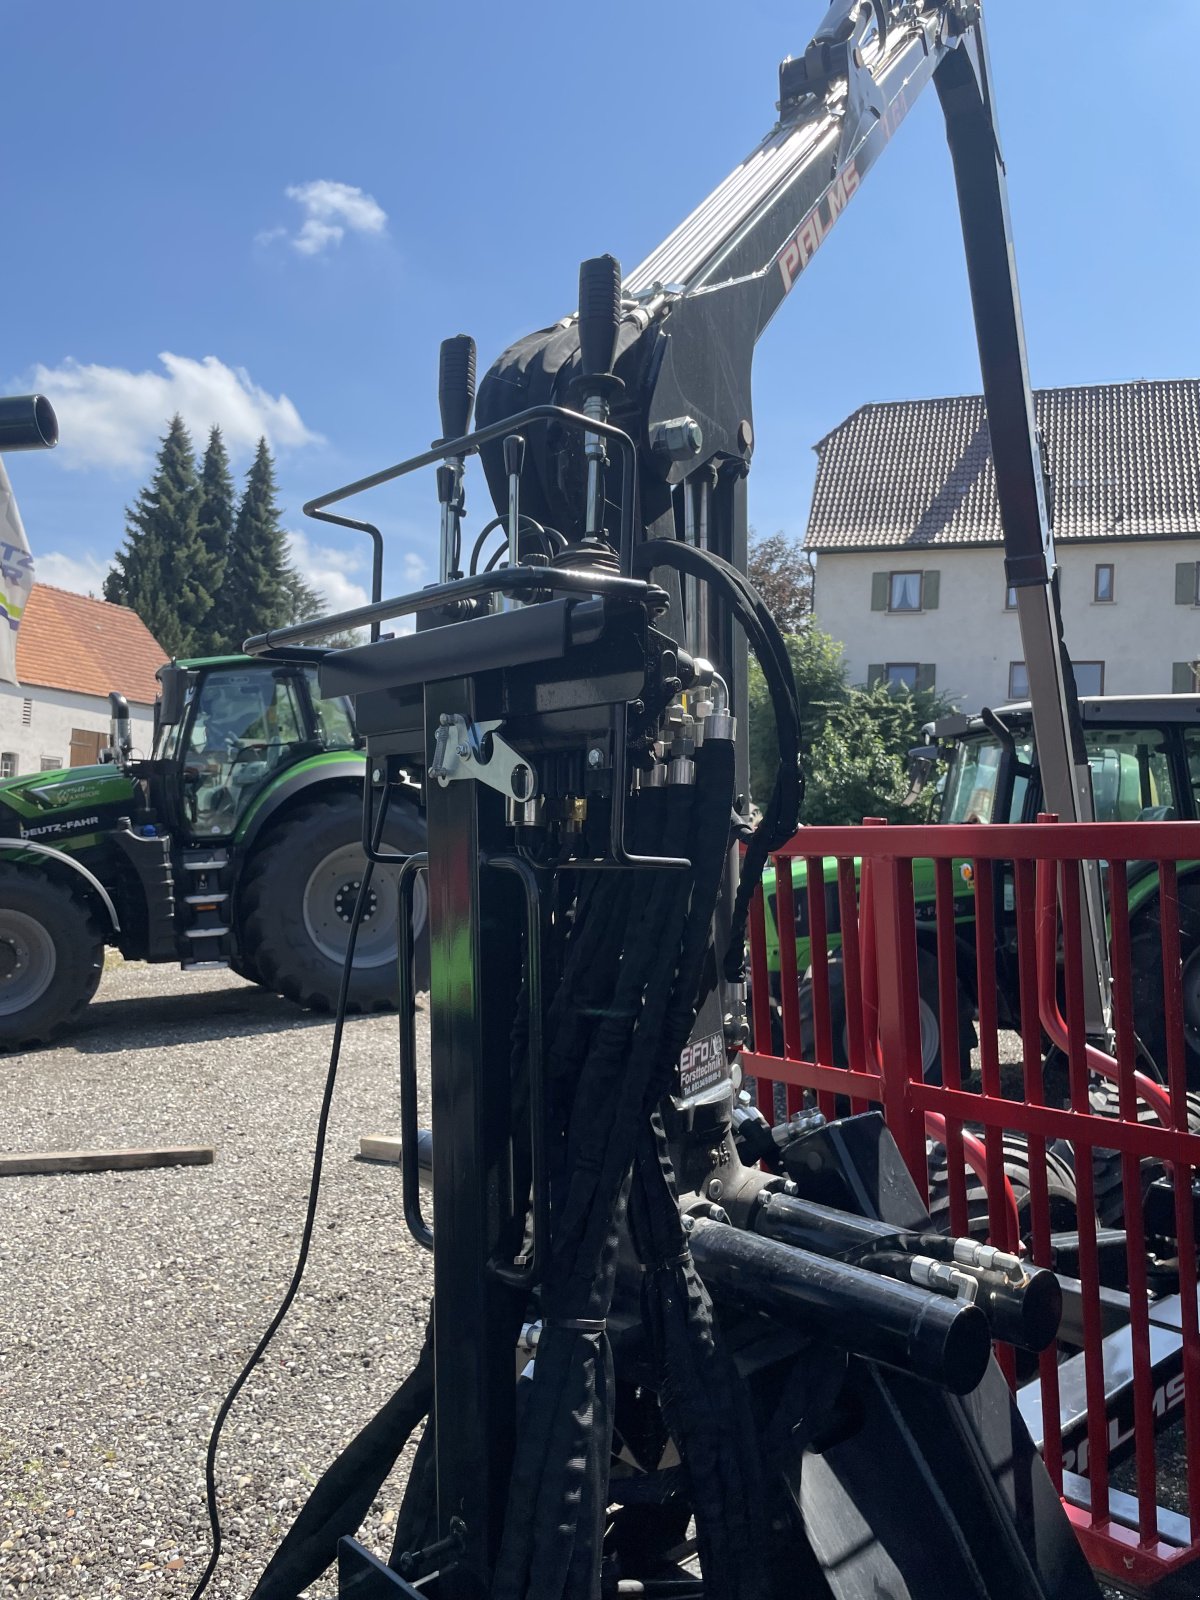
(210, 1464)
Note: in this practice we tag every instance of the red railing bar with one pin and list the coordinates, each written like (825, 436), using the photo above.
(818, 944)
(948, 1023)
(1089, 1262)
(789, 978)
(852, 973)
(1055, 1122)
(812, 1075)
(1168, 901)
(1024, 909)
(760, 992)
(1005, 841)
(1131, 1187)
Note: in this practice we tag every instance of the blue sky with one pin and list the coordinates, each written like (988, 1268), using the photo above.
(172, 228)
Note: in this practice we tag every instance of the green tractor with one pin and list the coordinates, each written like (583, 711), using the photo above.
(1144, 755)
(235, 843)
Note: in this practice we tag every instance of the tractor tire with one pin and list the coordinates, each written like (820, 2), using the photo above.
(51, 957)
(931, 1043)
(296, 901)
(1149, 1014)
(1060, 1188)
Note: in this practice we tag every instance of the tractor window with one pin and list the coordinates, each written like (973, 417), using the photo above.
(1131, 775)
(245, 726)
(971, 782)
(1191, 743)
(972, 785)
(334, 727)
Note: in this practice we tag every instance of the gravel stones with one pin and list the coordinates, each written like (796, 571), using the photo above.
(129, 1300)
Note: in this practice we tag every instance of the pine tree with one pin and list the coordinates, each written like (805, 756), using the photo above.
(259, 588)
(214, 520)
(160, 573)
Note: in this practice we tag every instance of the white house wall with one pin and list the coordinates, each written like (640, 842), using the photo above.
(971, 639)
(52, 715)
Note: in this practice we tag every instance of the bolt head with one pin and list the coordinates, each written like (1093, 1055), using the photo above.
(595, 757)
(715, 1189)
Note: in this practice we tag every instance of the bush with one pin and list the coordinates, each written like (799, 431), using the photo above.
(855, 740)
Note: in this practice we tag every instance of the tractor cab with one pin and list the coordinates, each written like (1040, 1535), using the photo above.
(226, 728)
(1142, 753)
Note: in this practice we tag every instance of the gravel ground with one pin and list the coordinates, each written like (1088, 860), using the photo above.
(128, 1301)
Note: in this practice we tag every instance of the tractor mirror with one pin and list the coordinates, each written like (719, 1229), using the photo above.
(172, 697)
(922, 763)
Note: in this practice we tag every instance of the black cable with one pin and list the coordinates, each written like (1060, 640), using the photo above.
(782, 812)
(553, 539)
(314, 1188)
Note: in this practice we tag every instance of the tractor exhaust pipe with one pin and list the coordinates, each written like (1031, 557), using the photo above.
(119, 740)
(27, 422)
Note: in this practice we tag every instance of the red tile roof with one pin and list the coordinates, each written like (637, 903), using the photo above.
(69, 641)
(1124, 459)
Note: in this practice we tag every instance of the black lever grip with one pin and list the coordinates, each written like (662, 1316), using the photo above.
(514, 455)
(456, 384)
(599, 313)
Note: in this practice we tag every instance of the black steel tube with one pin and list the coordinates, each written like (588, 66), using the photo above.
(944, 1341)
(1022, 1311)
(27, 422)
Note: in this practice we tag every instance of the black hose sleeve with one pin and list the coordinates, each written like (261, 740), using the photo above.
(343, 1495)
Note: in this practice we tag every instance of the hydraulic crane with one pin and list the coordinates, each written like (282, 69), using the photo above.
(673, 1350)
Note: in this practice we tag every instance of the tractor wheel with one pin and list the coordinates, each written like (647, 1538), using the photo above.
(1060, 1187)
(1149, 1017)
(297, 900)
(51, 957)
(930, 1015)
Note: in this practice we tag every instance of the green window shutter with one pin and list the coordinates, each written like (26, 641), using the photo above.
(926, 673)
(930, 584)
(1183, 680)
(875, 674)
(879, 591)
(1185, 583)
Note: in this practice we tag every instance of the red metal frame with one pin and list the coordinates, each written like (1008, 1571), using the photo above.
(880, 938)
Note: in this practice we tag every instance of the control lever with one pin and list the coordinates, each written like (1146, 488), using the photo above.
(456, 397)
(514, 461)
(599, 320)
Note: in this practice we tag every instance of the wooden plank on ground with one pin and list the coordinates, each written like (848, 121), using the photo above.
(21, 1163)
(378, 1147)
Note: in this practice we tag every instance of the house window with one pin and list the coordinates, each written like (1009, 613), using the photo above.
(1089, 677)
(26, 712)
(1185, 677)
(51, 763)
(1010, 597)
(1018, 681)
(910, 675)
(1103, 591)
(901, 592)
(8, 764)
(904, 591)
(1187, 583)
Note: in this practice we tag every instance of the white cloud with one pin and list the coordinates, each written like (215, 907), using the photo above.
(330, 209)
(329, 571)
(414, 569)
(114, 418)
(81, 574)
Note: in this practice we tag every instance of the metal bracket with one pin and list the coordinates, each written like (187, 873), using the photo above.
(465, 749)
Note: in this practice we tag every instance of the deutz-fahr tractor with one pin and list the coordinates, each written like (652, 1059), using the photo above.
(236, 842)
(1144, 756)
